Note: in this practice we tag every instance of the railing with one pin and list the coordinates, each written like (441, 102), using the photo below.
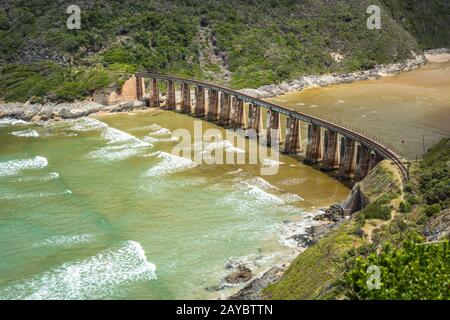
(375, 144)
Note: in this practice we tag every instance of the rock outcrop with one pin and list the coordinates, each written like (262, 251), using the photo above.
(253, 291)
(240, 275)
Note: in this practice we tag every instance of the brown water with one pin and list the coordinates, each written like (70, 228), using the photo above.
(409, 111)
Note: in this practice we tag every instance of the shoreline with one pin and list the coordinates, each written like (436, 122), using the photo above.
(380, 71)
(78, 109)
(327, 221)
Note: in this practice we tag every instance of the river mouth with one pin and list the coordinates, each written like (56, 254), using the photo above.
(97, 208)
(409, 111)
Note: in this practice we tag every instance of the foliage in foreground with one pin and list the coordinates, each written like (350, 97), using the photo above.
(415, 271)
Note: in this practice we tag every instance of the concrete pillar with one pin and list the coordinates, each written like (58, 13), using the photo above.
(154, 101)
(213, 105)
(238, 119)
(330, 154)
(293, 137)
(362, 162)
(374, 159)
(225, 109)
(273, 127)
(347, 161)
(171, 103)
(140, 88)
(314, 147)
(199, 110)
(186, 98)
(254, 118)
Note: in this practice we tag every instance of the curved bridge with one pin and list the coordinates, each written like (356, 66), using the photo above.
(334, 146)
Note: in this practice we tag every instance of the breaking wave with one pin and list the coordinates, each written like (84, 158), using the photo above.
(12, 122)
(170, 164)
(105, 275)
(14, 167)
(26, 133)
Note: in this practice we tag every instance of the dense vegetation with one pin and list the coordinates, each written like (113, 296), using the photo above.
(391, 234)
(413, 272)
(257, 42)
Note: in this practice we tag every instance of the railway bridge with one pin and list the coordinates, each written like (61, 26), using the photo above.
(334, 147)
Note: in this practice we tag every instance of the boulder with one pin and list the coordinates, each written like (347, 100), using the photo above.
(240, 275)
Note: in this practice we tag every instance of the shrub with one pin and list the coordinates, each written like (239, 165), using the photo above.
(416, 271)
(432, 210)
(405, 207)
(376, 211)
(412, 199)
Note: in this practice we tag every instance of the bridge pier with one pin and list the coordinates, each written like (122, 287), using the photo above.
(140, 87)
(225, 109)
(213, 105)
(293, 137)
(199, 110)
(273, 128)
(254, 118)
(154, 100)
(185, 98)
(347, 161)
(330, 155)
(171, 103)
(314, 147)
(362, 162)
(238, 120)
(374, 160)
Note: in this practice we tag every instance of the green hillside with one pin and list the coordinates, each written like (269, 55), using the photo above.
(411, 247)
(243, 43)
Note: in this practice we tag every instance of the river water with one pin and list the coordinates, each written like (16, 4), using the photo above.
(99, 208)
(410, 111)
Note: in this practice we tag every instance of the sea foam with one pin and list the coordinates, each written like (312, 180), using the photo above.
(14, 167)
(170, 164)
(12, 122)
(65, 241)
(30, 133)
(121, 146)
(105, 275)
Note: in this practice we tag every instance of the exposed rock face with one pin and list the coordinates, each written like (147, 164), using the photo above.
(253, 291)
(439, 227)
(334, 213)
(314, 81)
(240, 275)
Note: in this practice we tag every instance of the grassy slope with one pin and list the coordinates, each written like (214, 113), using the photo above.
(316, 269)
(318, 272)
(314, 272)
(259, 42)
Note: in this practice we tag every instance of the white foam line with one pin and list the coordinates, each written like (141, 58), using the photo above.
(65, 241)
(14, 167)
(30, 133)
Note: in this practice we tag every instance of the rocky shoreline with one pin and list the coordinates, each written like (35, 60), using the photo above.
(328, 220)
(52, 111)
(55, 111)
(316, 81)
